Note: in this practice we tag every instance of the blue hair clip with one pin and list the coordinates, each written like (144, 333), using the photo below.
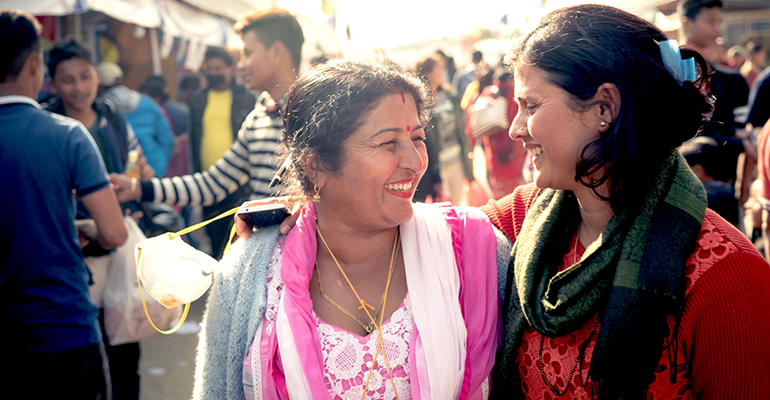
(682, 70)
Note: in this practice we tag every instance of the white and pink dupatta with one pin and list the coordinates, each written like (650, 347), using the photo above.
(439, 363)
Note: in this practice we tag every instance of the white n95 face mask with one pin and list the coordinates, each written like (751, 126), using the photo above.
(173, 272)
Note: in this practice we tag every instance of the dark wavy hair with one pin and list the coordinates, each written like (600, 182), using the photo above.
(330, 102)
(582, 47)
(62, 52)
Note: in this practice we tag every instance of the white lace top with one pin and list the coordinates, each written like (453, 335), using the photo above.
(347, 356)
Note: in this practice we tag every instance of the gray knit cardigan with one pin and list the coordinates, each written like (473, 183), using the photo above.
(235, 306)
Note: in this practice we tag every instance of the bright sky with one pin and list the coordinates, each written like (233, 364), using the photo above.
(387, 23)
(392, 22)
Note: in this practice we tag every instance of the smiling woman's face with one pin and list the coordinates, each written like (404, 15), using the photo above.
(553, 133)
(384, 161)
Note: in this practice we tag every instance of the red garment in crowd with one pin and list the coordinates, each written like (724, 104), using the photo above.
(724, 336)
(504, 157)
(179, 163)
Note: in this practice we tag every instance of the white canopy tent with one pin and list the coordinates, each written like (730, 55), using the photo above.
(199, 23)
(140, 12)
(209, 21)
(232, 9)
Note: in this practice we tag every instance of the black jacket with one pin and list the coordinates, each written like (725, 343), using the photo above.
(115, 132)
(760, 109)
(730, 91)
(243, 103)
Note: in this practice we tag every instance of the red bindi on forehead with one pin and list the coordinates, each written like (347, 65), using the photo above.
(408, 128)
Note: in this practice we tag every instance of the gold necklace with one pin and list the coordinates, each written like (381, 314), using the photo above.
(368, 328)
(364, 304)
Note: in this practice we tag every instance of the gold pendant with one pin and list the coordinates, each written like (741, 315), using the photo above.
(368, 328)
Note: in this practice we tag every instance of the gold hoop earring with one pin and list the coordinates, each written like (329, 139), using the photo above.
(317, 195)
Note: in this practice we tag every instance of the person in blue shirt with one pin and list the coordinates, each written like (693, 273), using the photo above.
(145, 116)
(50, 331)
(179, 115)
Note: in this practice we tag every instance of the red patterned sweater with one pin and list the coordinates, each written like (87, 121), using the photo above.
(724, 336)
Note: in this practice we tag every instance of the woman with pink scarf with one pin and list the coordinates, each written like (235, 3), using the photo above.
(369, 296)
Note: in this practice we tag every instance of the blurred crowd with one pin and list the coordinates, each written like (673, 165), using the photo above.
(169, 163)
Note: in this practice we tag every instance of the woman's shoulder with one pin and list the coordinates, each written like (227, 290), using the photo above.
(252, 253)
(507, 213)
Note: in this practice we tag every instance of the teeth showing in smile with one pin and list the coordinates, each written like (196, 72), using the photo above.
(534, 152)
(399, 187)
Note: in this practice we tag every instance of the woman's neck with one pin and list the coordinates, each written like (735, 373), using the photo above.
(595, 214)
(354, 249)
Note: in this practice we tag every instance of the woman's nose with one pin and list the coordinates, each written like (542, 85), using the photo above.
(518, 129)
(413, 158)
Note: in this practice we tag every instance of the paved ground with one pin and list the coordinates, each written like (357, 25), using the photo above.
(168, 361)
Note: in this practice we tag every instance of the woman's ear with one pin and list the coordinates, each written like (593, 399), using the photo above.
(312, 169)
(608, 98)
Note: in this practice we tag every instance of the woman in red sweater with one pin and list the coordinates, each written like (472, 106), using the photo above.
(621, 283)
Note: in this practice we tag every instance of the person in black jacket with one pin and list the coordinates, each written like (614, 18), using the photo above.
(759, 100)
(217, 112)
(74, 79)
(218, 70)
(702, 26)
(720, 194)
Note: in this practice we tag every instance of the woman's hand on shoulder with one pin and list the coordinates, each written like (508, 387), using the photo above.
(244, 229)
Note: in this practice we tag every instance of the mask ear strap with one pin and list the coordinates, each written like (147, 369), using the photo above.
(199, 225)
(172, 236)
(227, 247)
(144, 304)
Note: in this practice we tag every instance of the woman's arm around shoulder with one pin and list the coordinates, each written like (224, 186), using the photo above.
(507, 213)
(728, 314)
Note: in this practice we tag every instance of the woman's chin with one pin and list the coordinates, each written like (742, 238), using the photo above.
(403, 215)
(539, 181)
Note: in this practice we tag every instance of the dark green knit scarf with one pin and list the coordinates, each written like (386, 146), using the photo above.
(633, 274)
